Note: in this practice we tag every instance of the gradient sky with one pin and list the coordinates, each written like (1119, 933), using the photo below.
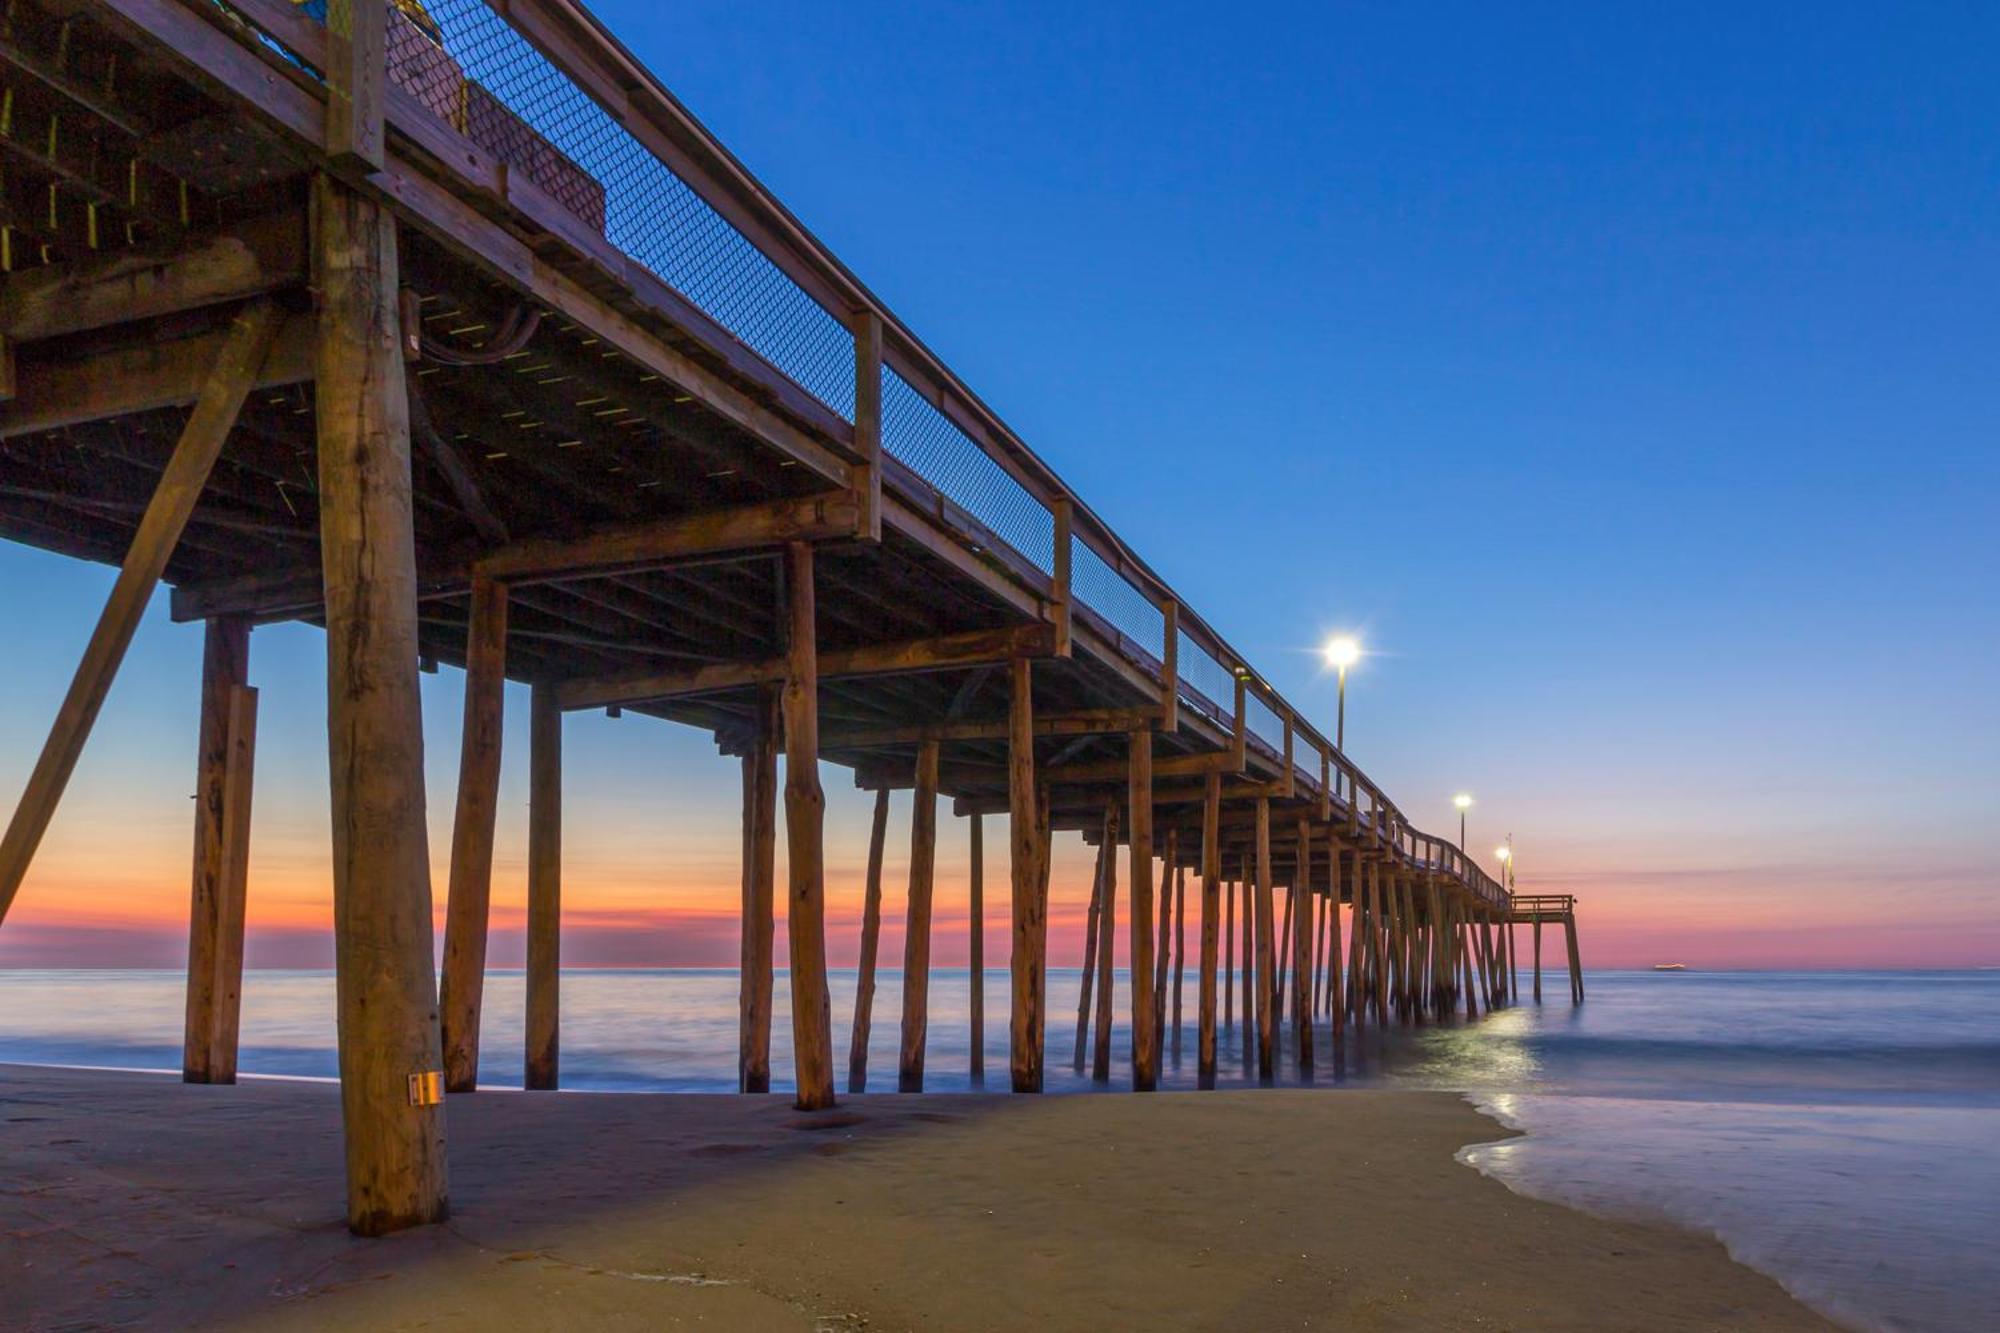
(1627, 379)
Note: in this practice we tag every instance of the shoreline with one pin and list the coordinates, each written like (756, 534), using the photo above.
(134, 1196)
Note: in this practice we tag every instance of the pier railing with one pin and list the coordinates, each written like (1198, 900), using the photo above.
(563, 126)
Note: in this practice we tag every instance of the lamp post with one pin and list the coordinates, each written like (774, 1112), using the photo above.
(1464, 803)
(1341, 653)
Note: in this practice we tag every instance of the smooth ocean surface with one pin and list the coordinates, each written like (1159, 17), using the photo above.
(1839, 1131)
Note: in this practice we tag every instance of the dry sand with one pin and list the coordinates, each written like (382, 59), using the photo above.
(132, 1200)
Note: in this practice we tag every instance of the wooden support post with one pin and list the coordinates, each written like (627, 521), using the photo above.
(756, 978)
(1247, 964)
(871, 937)
(917, 924)
(1024, 1029)
(976, 947)
(1357, 940)
(1302, 928)
(1180, 950)
(1106, 849)
(1139, 799)
(1163, 950)
(805, 831)
(1284, 952)
(1211, 873)
(1336, 1013)
(391, 1062)
(356, 76)
(868, 420)
(1267, 970)
(1228, 928)
(544, 1028)
(469, 897)
(1575, 958)
(159, 531)
(223, 779)
(1107, 925)
(1319, 956)
(1538, 957)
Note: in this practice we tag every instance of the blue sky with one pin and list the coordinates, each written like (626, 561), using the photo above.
(1626, 376)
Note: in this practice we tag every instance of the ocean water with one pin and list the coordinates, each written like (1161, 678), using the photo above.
(1838, 1131)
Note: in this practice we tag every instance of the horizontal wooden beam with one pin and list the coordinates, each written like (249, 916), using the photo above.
(248, 258)
(1085, 722)
(52, 392)
(949, 652)
(633, 546)
(1173, 766)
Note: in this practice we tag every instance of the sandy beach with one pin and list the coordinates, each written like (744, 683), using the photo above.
(134, 1200)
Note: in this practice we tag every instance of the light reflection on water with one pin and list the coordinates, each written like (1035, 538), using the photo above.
(1836, 1130)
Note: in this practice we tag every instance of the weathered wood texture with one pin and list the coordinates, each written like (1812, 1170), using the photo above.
(756, 966)
(544, 980)
(468, 901)
(917, 924)
(1139, 804)
(226, 750)
(386, 983)
(976, 945)
(805, 829)
(871, 942)
(1027, 966)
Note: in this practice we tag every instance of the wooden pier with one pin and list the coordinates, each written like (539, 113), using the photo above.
(447, 328)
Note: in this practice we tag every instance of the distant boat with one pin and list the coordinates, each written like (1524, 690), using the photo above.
(1670, 967)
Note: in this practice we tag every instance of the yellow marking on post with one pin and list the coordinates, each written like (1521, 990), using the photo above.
(427, 1088)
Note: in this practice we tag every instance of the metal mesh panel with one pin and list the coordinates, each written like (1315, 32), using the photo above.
(1104, 590)
(1264, 724)
(917, 434)
(1204, 678)
(467, 65)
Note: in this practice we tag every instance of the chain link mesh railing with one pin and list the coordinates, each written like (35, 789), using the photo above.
(1206, 680)
(1263, 723)
(1104, 590)
(918, 435)
(467, 65)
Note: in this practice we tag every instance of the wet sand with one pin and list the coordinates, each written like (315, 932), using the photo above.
(133, 1200)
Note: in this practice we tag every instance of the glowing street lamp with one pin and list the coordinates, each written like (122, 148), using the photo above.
(1464, 802)
(1341, 653)
(1505, 853)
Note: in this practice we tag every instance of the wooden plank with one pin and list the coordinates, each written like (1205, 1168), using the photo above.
(871, 936)
(386, 982)
(544, 981)
(357, 67)
(1024, 835)
(1139, 809)
(976, 945)
(179, 490)
(756, 977)
(805, 820)
(868, 421)
(469, 898)
(1211, 895)
(654, 542)
(223, 782)
(224, 668)
(56, 391)
(1302, 964)
(247, 258)
(1107, 847)
(1267, 959)
(1082, 722)
(917, 924)
(948, 652)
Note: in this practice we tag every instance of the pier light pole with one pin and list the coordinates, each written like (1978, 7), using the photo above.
(1464, 803)
(1341, 653)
